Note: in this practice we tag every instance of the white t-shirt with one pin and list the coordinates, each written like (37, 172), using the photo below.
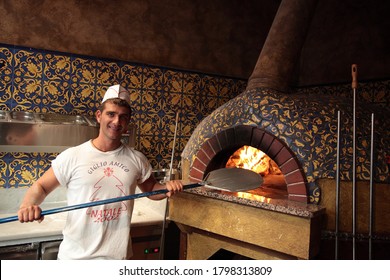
(99, 232)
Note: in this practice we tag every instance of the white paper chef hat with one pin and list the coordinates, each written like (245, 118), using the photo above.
(117, 91)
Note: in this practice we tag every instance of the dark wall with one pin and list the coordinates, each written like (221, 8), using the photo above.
(210, 36)
(218, 36)
(343, 33)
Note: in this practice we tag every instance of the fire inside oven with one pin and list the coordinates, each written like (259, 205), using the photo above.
(214, 153)
(248, 157)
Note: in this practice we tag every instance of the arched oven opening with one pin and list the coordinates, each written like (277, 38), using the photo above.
(248, 157)
(253, 148)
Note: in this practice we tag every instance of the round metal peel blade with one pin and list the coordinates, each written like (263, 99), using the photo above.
(233, 179)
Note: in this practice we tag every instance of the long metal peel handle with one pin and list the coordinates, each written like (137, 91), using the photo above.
(354, 76)
(100, 202)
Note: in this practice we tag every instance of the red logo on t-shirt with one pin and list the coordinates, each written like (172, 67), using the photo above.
(109, 186)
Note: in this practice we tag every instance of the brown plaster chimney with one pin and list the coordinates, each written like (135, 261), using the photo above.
(283, 45)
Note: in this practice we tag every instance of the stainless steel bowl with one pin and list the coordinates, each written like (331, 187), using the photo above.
(79, 120)
(162, 175)
(62, 119)
(22, 116)
(3, 115)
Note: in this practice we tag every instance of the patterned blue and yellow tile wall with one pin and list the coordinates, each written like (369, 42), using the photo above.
(44, 81)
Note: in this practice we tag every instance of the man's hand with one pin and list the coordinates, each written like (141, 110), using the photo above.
(30, 214)
(173, 187)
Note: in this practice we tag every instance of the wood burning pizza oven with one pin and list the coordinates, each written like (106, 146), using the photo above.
(272, 222)
(297, 133)
(277, 226)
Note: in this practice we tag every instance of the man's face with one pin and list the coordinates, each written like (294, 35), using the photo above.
(113, 120)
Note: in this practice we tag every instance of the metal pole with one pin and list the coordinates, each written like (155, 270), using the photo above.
(354, 86)
(371, 189)
(162, 240)
(337, 188)
(173, 146)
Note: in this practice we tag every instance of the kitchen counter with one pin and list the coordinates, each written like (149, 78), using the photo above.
(14, 233)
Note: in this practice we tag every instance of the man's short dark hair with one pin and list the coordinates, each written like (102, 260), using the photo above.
(117, 101)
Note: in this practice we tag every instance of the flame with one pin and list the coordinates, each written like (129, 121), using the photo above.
(253, 197)
(248, 157)
(254, 159)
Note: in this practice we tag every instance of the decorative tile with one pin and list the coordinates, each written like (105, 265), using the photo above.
(152, 78)
(131, 76)
(6, 74)
(173, 81)
(28, 71)
(22, 169)
(56, 84)
(192, 83)
(47, 81)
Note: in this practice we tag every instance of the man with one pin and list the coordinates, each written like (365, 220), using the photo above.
(98, 169)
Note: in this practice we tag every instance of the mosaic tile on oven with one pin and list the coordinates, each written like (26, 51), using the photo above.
(231, 113)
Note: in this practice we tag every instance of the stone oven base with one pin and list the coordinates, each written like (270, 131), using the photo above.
(202, 245)
(208, 225)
